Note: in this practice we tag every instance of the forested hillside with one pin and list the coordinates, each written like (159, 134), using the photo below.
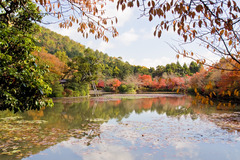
(54, 42)
(80, 66)
(113, 67)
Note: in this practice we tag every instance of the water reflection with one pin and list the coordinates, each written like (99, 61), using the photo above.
(103, 128)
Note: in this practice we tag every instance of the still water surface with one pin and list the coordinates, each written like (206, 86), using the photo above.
(161, 127)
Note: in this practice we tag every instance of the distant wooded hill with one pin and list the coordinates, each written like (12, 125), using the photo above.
(112, 66)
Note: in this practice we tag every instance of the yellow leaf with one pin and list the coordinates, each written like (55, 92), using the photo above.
(210, 95)
(230, 42)
(211, 103)
(222, 93)
(177, 90)
(237, 93)
(229, 104)
(221, 32)
(195, 90)
(214, 93)
(229, 93)
(218, 106)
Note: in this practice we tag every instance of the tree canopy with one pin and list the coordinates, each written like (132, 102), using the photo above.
(21, 81)
(89, 16)
(215, 23)
(212, 22)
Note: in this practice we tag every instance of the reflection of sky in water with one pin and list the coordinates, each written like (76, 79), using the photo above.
(150, 136)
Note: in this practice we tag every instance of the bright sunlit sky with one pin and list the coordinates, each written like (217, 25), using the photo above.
(135, 43)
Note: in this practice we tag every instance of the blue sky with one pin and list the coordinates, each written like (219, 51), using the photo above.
(135, 43)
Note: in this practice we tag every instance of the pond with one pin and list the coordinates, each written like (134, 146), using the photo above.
(120, 127)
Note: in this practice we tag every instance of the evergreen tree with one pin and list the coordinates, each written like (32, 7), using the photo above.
(21, 81)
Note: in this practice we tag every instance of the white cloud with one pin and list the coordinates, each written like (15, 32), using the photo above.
(103, 150)
(108, 152)
(150, 62)
(128, 37)
(209, 56)
(90, 44)
(103, 46)
(131, 60)
(147, 34)
(183, 60)
(122, 16)
(186, 149)
(153, 62)
(199, 52)
(71, 32)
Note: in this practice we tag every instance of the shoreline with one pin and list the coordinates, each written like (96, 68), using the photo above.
(112, 97)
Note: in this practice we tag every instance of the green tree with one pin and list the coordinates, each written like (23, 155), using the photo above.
(21, 81)
(54, 43)
(194, 67)
(83, 70)
(160, 69)
(186, 70)
(179, 69)
(151, 70)
(57, 89)
(62, 56)
(116, 71)
(141, 70)
(169, 69)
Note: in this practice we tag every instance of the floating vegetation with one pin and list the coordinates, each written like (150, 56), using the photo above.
(144, 126)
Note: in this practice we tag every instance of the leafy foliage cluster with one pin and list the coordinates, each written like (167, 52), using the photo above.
(81, 66)
(54, 43)
(111, 66)
(177, 69)
(89, 17)
(214, 83)
(143, 83)
(21, 81)
(213, 23)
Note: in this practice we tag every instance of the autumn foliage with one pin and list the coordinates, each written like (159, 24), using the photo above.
(100, 84)
(169, 83)
(55, 65)
(214, 83)
(113, 83)
(145, 79)
(90, 19)
(146, 83)
(214, 24)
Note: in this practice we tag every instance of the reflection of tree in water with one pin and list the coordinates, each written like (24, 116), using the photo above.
(29, 135)
(119, 109)
(174, 106)
(34, 131)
